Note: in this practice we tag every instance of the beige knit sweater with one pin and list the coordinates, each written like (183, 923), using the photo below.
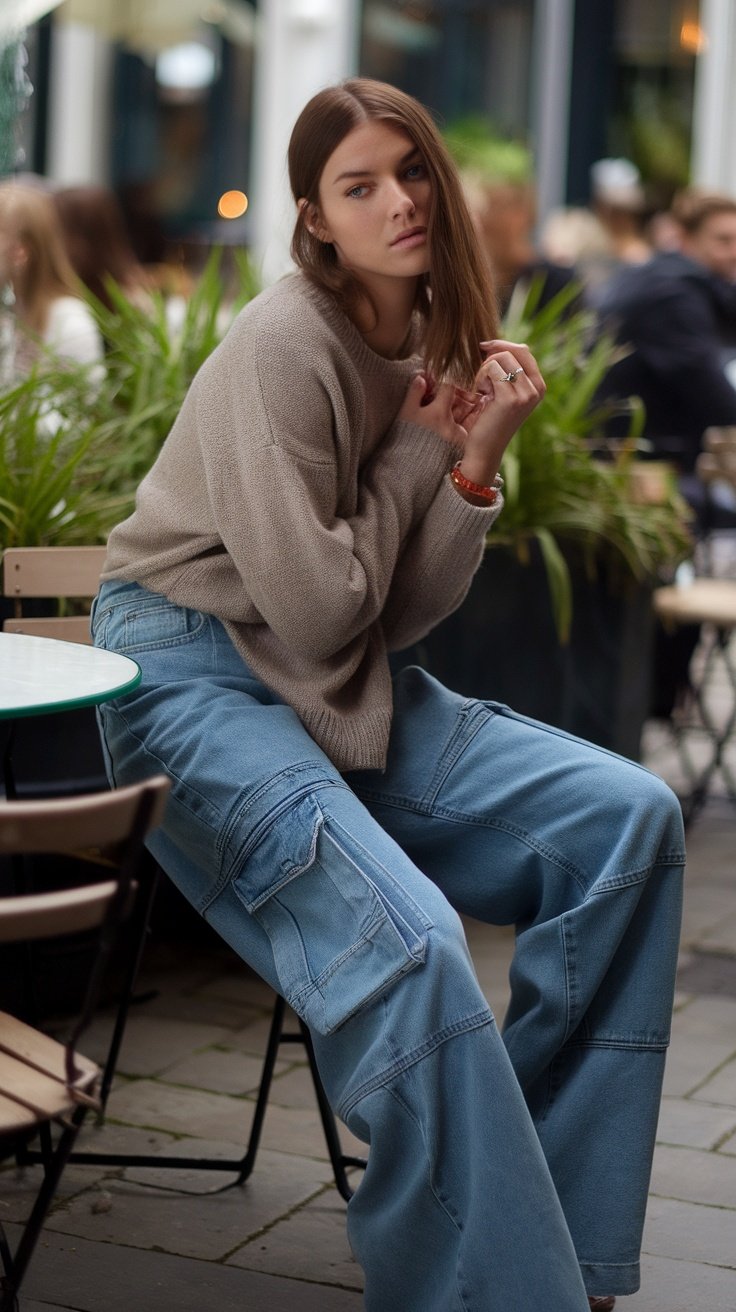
(289, 502)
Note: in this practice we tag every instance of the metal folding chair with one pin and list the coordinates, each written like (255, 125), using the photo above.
(703, 725)
(46, 1084)
(64, 573)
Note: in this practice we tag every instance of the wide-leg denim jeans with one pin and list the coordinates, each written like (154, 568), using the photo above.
(504, 1173)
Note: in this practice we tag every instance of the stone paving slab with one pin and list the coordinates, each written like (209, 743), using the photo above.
(31, 1305)
(695, 1177)
(311, 1245)
(691, 1232)
(219, 1068)
(720, 1088)
(152, 1043)
(691, 1124)
(691, 1059)
(160, 1106)
(670, 1285)
(218, 1013)
(186, 1223)
(98, 1277)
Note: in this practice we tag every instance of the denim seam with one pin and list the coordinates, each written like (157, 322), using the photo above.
(238, 811)
(629, 878)
(477, 1021)
(444, 1204)
(460, 817)
(467, 725)
(619, 1266)
(657, 1044)
(160, 764)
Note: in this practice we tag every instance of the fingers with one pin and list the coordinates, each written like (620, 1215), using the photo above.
(521, 354)
(504, 378)
(433, 406)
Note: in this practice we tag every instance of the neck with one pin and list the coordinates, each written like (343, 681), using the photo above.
(384, 320)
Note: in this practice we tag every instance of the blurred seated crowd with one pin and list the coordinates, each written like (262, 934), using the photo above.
(661, 282)
(60, 251)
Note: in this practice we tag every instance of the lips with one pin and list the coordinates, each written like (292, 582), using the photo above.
(410, 237)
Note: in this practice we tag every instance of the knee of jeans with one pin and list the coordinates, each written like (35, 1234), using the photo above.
(661, 811)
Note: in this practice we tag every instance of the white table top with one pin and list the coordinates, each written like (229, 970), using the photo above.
(41, 675)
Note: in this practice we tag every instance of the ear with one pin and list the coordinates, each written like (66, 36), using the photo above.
(313, 220)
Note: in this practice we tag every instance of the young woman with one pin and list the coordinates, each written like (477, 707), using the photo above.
(50, 316)
(322, 499)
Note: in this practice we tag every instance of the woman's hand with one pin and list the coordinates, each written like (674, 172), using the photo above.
(444, 408)
(508, 386)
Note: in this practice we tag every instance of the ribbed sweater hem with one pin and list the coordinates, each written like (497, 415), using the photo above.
(357, 742)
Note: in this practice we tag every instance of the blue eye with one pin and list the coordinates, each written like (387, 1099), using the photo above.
(415, 171)
(358, 191)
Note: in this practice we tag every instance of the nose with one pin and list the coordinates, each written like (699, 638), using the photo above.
(400, 202)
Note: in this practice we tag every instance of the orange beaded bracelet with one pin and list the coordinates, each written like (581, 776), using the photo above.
(489, 494)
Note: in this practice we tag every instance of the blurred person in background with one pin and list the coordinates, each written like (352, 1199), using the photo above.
(98, 244)
(618, 201)
(676, 317)
(48, 314)
(676, 314)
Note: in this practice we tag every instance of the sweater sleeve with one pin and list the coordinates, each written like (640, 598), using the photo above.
(317, 567)
(436, 566)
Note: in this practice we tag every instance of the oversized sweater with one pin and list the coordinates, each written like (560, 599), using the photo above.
(291, 503)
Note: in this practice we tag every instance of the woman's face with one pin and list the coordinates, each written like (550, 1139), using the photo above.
(374, 202)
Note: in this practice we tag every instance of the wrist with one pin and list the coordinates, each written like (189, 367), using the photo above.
(477, 493)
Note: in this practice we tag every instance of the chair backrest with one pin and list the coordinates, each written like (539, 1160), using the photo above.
(51, 572)
(111, 827)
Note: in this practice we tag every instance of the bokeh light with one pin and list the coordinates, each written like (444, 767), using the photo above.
(232, 204)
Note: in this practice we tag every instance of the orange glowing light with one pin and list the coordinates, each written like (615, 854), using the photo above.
(693, 38)
(232, 204)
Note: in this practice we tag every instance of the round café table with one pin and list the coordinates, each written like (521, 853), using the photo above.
(42, 676)
(39, 676)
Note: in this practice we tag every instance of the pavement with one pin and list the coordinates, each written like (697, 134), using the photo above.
(135, 1240)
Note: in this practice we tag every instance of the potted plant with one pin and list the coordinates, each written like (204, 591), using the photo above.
(74, 445)
(558, 621)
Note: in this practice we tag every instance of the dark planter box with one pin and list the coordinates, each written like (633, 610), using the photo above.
(501, 644)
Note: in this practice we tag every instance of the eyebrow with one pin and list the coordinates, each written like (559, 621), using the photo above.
(368, 173)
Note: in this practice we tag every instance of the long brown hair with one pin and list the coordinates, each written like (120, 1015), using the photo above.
(28, 217)
(456, 297)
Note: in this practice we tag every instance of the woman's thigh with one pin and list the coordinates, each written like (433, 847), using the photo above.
(512, 818)
(262, 834)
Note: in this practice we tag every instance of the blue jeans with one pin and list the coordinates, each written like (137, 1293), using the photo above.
(504, 1172)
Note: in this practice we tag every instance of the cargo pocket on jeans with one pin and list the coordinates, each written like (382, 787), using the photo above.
(342, 931)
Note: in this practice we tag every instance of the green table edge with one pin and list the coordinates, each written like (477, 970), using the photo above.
(74, 703)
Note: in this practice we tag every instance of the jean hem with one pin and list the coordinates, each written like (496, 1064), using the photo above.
(604, 1278)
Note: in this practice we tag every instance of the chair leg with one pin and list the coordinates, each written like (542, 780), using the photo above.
(16, 1264)
(338, 1158)
(717, 734)
(243, 1166)
(8, 1300)
(138, 931)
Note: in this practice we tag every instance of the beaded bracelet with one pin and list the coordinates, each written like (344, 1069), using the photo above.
(489, 494)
